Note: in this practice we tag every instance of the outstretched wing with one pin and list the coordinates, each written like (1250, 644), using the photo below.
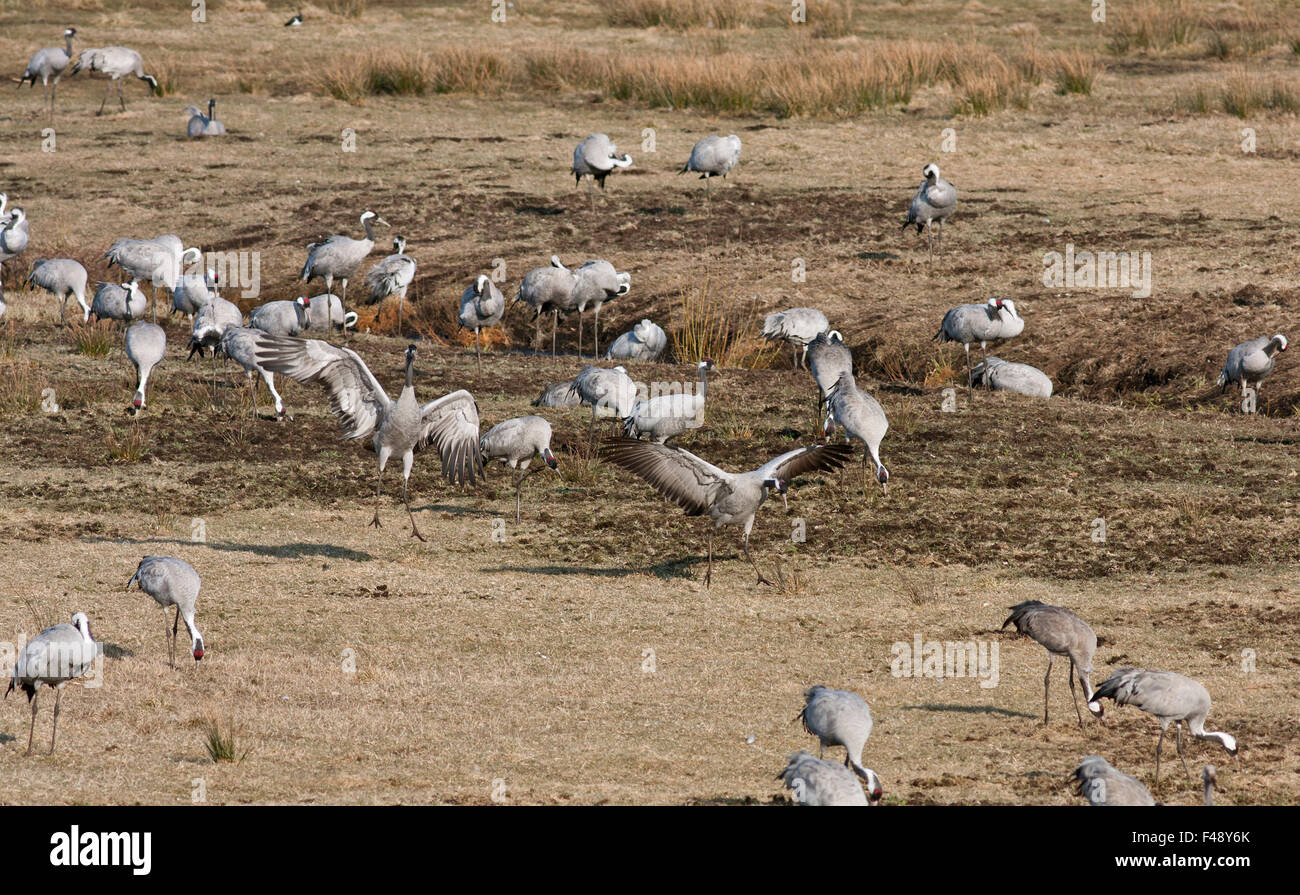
(356, 397)
(451, 425)
(817, 458)
(691, 483)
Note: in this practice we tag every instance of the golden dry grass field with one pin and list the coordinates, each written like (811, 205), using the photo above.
(580, 659)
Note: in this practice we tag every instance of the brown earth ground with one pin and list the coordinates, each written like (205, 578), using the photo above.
(581, 659)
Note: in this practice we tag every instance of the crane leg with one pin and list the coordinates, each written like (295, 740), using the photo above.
(120, 98)
(175, 626)
(591, 193)
(401, 300)
(1074, 696)
(329, 305)
(555, 322)
(519, 491)
(1160, 742)
(107, 87)
(252, 392)
(478, 355)
(579, 335)
(1178, 728)
(596, 354)
(970, 382)
(415, 532)
(1046, 680)
(378, 485)
(343, 303)
(32, 729)
(54, 731)
(745, 546)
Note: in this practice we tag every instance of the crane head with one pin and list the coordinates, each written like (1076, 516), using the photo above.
(198, 648)
(70, 32)
(410, 354)
(138, 401)
(780, 486)
(883, 477)
(930, 172)
(875, 792)
(1281, 342)
(81, 623)
(550, 459)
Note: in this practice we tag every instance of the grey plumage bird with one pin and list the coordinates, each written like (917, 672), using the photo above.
(338, 257)
(1168, 697)
(728, 498)
(201, 125)
(861, 417)
(157, 261)
(934, 201)
(560, 394)
(1061, 633)
(516, 442)
(993, 321)
(364, 410)
(667, 416)
(828, 357)
(547, 290)
(1003, 376)
(327, 308)
(1251, 360)
(239, 343)
(61, 277)
(597, 157)
(172, 582)
(48, 64)
(644, 343)
(609, 392)
(713, 157)
(282, 318)
(1103, 785)
(798, 327)
(146, 347)
(210, 324)
(57, 655)
(841, 718)
(193, 291)
(118, 302)
(481, 305)
(595, 283)
(117, 63)
(817, 783)
(392, 276)
(14, 232)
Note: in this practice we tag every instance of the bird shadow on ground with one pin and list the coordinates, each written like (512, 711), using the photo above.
(113, 651)
(282, 551)
(666, 570)
(969, 709)
(454, 510)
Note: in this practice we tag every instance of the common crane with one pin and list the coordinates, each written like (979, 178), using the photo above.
(48, 64)
(841, 718)
(58, 654)
(481, 305)
(172, 582)
(797, 326)
(516, 442)
(338, 257)
(117, 63)
(934, 201)
(61, 277)
(1061, 633)
(146, 347)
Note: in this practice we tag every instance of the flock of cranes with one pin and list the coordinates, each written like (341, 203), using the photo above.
(273, 343)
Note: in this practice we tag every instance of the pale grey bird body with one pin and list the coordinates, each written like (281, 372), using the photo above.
(817, 783)
(993, 321)
(282, 318)
(516, 442)
(193, 291)
(392, 276)
(338, 257)
(156, 261)
(645, 342)
(118, 302)
(713, 157)
(1103, 785)
(609, 392)
(1168, 697)
(364, 410)
(828, 357)
(934, 201)
(14, 233)
(239, 343)
(861, 417)
(62, 277)
(841, 718)
(1251, 361)
(547, 290)
(117, 63)
(211, 322)
(48, 64)
(326, 308)
(146, 347)
(1004, 376)
(172, 582)
(667, 416)
(595, 283)
(797, 326)
(57, 655)
(481, 305)
(728, 498)
(597, 157)
(561, 394)
(1062, 633)
(201, 125)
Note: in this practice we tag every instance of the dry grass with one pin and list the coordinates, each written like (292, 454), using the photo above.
(1242, 93)
(165, 68)
(1153, 25)
(20, 389)
(1075, 71)
(125, 445)
(93, 338)
(720, 329)
(223, 744)
(680, 14)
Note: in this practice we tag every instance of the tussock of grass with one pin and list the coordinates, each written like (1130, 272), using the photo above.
(681, 14)
(19, 390)
(348, 9)
(92, 339)
(163, 67)
(1242, 94)
(1075, 71)
(714, 328)
(222, 745)
(1154, 25)
(414, 73)
(126, 446)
